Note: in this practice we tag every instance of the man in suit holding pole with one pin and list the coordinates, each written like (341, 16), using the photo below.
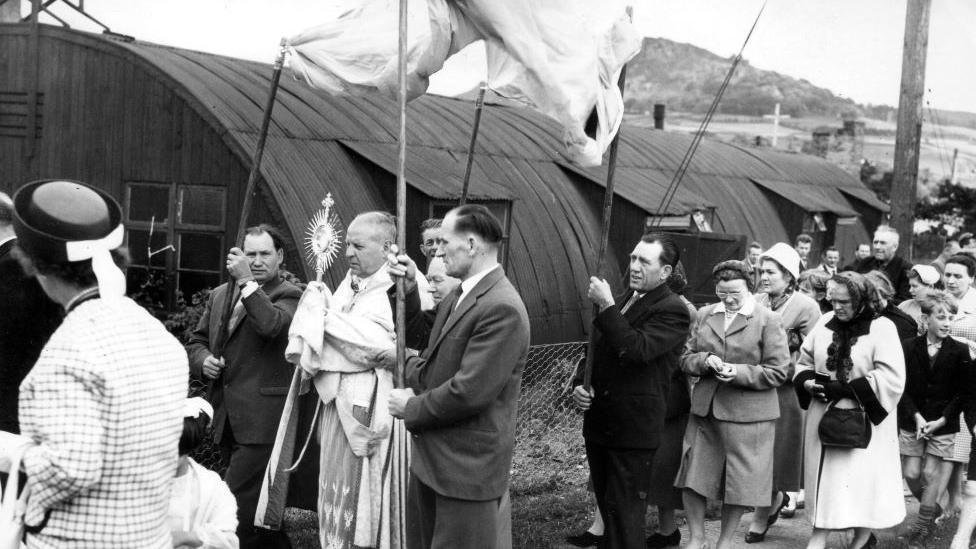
(463, 389)
(638, 348)
(252, 378)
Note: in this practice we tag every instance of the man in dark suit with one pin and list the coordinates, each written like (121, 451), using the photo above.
(884, 246)
(464, 388)
(251, 379)
(28, 319)
(638, 349)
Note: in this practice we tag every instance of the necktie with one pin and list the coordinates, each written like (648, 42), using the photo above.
(633, 299)
(459, 291)
(236, 314)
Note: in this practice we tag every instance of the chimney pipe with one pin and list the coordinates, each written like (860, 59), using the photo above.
(659, 116)
(10, 11)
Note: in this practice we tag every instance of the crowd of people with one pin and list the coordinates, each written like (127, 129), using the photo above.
(98, 439)
(822, 388)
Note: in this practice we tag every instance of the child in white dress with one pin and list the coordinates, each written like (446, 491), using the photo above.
(203, 512)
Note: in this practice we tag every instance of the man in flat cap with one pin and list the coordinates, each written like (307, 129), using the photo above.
(101, 411)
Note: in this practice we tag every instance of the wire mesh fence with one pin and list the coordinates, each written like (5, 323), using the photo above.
(548, 429)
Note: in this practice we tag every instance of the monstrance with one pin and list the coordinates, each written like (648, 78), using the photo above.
(323, 238)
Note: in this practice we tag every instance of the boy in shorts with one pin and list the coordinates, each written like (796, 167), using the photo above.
(928, 413)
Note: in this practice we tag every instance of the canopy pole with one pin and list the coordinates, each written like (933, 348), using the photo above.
(478, 108)
(252, 178)
(604, 236)
(401, 200)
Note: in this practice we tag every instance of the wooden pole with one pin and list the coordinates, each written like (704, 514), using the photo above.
(909, 132)
(952, 168)
(249, 189)
(478, 108)
(401, 200)
(604, 236)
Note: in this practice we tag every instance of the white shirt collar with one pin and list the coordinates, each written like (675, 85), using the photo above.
(469, 283)
(748, 305)
(8, 239)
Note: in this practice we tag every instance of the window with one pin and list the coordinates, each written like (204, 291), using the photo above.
(502, 209)
(175, 235)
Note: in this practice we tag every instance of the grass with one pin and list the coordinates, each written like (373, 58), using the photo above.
(543, 516)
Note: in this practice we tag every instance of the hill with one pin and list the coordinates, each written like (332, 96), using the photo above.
(685, 78)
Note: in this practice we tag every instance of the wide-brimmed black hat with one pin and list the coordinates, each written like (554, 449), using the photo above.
(61, 220)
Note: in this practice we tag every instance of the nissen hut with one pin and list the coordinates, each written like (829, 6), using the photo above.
(171, 134)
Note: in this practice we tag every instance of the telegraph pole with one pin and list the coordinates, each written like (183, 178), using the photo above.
(909, 133)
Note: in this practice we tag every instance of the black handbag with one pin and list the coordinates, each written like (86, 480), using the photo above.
(845, 427)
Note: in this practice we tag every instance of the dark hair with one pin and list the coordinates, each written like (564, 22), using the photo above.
(276, 237)
(830, 249)
(477, 219)
(817, 279)
(755, 244)
(670, 253)
(194, 432)
(676, 281)
(965, 239)
(432, 223)
(804, 238)
(733, 270)
(965, 260)
(76, 273)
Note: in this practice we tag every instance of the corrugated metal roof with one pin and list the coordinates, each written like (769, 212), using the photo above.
(317, 143)
(809, 197)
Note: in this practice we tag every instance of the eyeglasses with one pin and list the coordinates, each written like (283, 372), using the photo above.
(723, 295)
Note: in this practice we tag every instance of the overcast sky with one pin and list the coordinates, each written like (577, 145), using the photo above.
(852, 47)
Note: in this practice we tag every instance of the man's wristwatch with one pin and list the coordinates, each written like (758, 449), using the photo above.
(247, 287)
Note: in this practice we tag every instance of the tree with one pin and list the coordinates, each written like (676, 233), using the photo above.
(950, 205)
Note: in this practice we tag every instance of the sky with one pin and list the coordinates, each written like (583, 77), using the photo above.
(852, 47)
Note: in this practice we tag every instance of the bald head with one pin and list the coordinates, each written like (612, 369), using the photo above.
(368, 242)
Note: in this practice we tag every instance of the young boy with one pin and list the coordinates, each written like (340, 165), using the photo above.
(928, 413)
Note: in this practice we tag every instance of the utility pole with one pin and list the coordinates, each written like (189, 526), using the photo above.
(909, 133)
(952, 171)
(775, 126)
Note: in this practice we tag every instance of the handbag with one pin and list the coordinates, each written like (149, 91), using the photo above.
(13, 508)
(845, 427)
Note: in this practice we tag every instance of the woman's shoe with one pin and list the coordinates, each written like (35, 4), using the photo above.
(657, 540)
(774, 516)
(756, 537)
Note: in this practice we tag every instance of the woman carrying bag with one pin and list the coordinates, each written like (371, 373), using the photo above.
(851, 366)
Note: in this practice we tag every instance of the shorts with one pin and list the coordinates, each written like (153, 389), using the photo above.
(940, 446)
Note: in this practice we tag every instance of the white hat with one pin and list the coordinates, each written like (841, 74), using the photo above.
(927, 274)
(786, 256)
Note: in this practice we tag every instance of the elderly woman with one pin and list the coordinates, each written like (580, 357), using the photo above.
(883, 294)
(738, 349)
(813, 284)
(852, 357)
(779, 269)
(921, 278)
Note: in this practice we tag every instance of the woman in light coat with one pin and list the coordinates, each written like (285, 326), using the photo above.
(852, 355)
(779, 269)
(738, 350)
